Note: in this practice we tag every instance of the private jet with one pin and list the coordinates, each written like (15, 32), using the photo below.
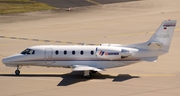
(91, 59)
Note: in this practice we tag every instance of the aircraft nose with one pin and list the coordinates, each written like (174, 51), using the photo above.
(5, 60)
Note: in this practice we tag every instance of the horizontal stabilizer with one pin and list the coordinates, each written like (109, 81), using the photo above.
(84, 68)
(150, 59)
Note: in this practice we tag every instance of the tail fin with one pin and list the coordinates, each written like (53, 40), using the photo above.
(160, 40)
(158, 44)
(163, 35)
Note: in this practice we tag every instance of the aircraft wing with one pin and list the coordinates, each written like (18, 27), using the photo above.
(150, 59)
(84, 68)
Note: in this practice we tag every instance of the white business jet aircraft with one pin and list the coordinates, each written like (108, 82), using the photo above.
(91, 59)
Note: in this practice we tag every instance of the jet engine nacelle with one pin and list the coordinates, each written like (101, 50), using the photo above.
(108, 53)
(112, 53)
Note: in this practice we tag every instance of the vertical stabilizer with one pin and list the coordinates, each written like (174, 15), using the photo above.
(163, 35)
(158, 44)
(161, 39)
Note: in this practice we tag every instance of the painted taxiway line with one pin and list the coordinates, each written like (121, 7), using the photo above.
(91, 1)
(141, 75)
(120, 35)
(13, 44)
(125, 35)
(40, 40)
(135, 34)
(155, 75)
(145, 75)
(77, 43)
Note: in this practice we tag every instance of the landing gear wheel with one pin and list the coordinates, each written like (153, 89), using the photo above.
(17, 72)
(87, 74)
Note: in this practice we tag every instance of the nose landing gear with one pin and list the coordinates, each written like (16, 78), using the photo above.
(17, 71)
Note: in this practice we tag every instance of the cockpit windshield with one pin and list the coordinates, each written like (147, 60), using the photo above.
(28, 51)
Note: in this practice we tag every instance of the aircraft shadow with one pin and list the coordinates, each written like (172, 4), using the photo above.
(79, 3)
(76, 77)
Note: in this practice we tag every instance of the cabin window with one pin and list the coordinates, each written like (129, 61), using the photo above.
(65, 52)
(81, 52)
(56, 52)
(73, 52)
(92, 52)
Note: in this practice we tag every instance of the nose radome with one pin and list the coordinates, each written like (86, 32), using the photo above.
(5, 60)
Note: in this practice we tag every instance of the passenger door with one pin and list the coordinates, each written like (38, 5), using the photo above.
(48, 56)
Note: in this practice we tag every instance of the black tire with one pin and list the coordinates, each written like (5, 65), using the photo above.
(17, 72)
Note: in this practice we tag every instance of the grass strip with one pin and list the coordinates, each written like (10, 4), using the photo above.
(21, 6)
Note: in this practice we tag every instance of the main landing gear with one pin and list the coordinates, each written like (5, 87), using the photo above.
(88, 73)
(17, 72)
